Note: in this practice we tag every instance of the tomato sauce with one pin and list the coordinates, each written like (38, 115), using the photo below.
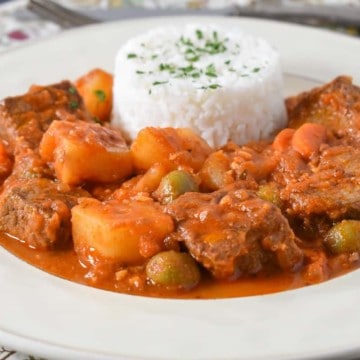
(65, 264)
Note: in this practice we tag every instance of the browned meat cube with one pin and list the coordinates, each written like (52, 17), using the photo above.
(234, 233)
(335, 105)
(332, 189)
(24, 119)
(37, 212)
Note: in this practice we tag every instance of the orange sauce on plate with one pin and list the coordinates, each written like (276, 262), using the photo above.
(65, 264)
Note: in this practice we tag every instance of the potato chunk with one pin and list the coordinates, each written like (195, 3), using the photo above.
(117, 232)
(84, 151)
(215, 173)
(171, 147)
(95, 88)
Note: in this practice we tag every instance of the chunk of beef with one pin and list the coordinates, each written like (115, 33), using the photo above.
(335, 105)
(24, 119)
(266, 163)
(253, 163)
(37, 211)
(332, 188)
(291, 167)
(234, 233)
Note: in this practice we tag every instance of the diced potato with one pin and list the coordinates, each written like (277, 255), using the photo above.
(171, 147)
(96, 90)
(151, 179)
(197, 148)
(154, 145)
(114, 231)
(84, 151)
(215, 172)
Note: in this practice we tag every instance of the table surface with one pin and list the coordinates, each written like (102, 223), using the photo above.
(18, 27)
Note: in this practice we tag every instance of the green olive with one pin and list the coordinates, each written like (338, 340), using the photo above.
(344, 237)
(173, 269)
(269, 192)
(174, 184)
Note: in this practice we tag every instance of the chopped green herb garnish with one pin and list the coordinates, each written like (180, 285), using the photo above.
(192, 51)
(200, 50)
(195, 74)
(166, 67)
(192, 58)
(189, 71)
(215, 47)
(72, 90)
(212, 86)
(131, 56)
(211, 71)
(199, 34)
(73, 105)
(187, 42)
(159, 82)
(100, 94)
(190, 55)
(255, 70)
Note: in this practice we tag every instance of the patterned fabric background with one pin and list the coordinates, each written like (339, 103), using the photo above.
(19, 26)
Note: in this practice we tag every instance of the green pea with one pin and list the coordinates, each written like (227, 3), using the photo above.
(174, 184)
(173, 270)
(344, 237)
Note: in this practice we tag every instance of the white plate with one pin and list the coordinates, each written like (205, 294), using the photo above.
(54, 318)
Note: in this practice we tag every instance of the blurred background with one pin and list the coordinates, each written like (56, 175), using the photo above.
(19, 25)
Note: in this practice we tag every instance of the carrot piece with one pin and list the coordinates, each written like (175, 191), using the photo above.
(308, 138)
(283, 139)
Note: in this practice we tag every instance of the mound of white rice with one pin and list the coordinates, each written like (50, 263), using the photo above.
(224, 84)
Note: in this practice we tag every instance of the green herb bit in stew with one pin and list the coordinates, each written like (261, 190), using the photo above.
(100, 94)
(73, 105)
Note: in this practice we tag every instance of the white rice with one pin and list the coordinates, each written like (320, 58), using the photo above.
(230, 89)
